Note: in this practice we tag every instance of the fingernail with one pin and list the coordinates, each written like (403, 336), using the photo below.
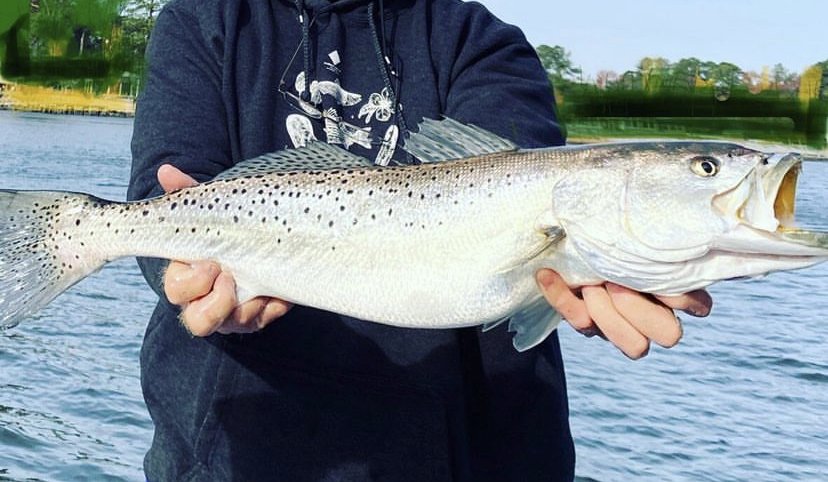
(699, 311)
(545, 278)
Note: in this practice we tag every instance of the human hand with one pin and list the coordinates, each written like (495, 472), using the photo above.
(206, 294)
(627, 318)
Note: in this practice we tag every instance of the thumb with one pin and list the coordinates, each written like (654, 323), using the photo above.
(172, 179)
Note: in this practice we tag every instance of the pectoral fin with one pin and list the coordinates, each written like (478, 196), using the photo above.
(551, 236)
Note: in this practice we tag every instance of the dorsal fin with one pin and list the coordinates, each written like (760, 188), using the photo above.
(316, 156)
(448, 139)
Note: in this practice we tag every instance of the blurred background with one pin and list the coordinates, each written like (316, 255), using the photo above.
(86, 56)
(742, 397)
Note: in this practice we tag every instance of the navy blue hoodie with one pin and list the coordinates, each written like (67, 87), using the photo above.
(317, 396)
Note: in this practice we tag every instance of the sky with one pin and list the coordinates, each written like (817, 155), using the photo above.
(616, 34)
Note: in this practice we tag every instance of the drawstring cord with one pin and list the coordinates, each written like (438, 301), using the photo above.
(385, 64)
(303, 18)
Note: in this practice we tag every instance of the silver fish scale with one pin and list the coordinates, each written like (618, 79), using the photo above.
(339, 239)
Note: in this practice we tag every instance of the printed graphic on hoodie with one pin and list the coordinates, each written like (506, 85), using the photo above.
(330, 102)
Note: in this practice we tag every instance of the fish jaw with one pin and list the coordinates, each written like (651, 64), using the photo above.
(761, 212)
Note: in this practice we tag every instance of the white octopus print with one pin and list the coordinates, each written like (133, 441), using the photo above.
(378, 105)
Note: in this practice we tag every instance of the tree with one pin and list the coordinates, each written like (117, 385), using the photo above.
(653, 70)
(810, 82)
(556, 60)
(780, 76)
(137, 19)
(144, 13)
(93, 18)
(605, 78)
(682, 74)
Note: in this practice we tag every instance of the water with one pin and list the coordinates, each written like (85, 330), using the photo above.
(743, 396)
(70, 396)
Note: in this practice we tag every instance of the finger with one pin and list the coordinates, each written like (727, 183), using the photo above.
(184, 282)
(563, 300)
(649, 317)
(696, 303)
(617, 329)
(254, 315)
(244, 316)
(274, 309)
(204, 315)
(172, 179)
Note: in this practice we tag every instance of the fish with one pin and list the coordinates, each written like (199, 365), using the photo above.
(452, 241)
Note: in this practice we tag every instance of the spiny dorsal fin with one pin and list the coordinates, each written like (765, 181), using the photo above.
(448, 139)
(316, 156)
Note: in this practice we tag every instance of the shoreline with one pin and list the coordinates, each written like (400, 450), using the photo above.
(44, 100)
(89, 112)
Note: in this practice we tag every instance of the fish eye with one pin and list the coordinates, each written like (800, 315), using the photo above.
(705, 166)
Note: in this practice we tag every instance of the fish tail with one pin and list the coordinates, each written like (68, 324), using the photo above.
(42, 249)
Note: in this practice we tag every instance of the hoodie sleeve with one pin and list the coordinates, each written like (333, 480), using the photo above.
(180, 118)
(496, 80)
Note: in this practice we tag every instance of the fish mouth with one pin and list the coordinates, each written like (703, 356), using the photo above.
(784, 205)
(766, 202)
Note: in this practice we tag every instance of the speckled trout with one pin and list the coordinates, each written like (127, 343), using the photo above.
(454, 241)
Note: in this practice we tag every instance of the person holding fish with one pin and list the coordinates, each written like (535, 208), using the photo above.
(266, 390)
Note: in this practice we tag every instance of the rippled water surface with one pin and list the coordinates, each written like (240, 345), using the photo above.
(743, 397)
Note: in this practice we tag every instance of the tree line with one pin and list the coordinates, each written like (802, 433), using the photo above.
(657, 74)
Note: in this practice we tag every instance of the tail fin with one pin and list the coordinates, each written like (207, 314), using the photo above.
(41, 250)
